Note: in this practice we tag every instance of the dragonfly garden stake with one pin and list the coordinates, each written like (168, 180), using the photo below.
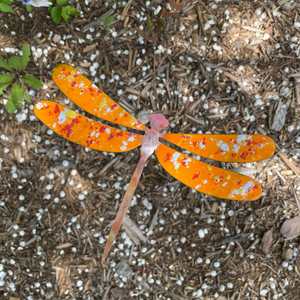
(195, 174)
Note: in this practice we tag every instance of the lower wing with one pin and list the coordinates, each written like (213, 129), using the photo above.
(225, 147)
(205, 178)
(84, 131)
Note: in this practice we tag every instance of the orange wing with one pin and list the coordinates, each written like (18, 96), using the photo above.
(90, 98)
(225, 147)
(205, 178)
(84, 131)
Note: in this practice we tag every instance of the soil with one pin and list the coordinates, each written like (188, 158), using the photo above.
(209, 67)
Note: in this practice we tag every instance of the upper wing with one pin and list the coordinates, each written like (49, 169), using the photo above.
(90, 98)
(207, 179)
(225, 147)
(84, 131)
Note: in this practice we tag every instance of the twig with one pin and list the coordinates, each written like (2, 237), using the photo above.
(207, 9)
(296, 197)
(110, 163)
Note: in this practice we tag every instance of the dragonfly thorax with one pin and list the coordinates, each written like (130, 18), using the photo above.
(158, 121)
(151, 138)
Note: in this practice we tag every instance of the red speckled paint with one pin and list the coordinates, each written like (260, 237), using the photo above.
(84, 131)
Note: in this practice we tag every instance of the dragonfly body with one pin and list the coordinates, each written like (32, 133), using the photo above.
(149, 145)
(194, 173)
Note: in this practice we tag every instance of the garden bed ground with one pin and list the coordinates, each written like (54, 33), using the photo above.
(215, 67)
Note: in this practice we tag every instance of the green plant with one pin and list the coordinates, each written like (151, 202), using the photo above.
(158, 22)
(28, 7)
(60, 11)
(4, 6)
(118, 3)
(107, 22)
(17, 78)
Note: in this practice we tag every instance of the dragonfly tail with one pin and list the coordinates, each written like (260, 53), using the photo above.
(124, 206)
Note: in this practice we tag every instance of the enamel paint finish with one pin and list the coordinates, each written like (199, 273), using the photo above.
(90, 98)
(225, 147)
(84, 131)
(205, 178)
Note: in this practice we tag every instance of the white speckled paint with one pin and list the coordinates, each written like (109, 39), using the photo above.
(62, 117)
(39, 105)
(202, 145)
(123, 148)
(244, 189)
(175, 156)
(224, 147)
(241, 137)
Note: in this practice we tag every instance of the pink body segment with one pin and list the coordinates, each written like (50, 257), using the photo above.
(149, 145)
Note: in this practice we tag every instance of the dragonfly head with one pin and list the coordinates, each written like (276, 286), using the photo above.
(158, 121)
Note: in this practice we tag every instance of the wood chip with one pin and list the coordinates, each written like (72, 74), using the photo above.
(290, 164)
(63, 246)
(125, 10)
(133, 231)
(290, 228)
(266, 242)
(89, 48)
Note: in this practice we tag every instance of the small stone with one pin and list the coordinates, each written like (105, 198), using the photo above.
(123, 269)
(143, 116)
(263, 292)
(287, 254)
(65, 164)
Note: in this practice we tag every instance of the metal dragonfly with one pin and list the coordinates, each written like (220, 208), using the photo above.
(200, 176)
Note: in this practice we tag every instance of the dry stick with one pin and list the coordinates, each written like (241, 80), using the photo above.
(296, 197)
(207, 9)
(96, 22)
(125, 10)
(260, 173)
(110, 163)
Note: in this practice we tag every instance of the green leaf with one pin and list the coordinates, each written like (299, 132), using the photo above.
(3, 87)
(71, 10)
(6, 78)
(26, 53)
(64, 14)
(10, 107)
(50, 8)
(62, 2)
(28, 8)
(5, 8)
(68, 10)
(159, 14)
(149, 25)
(32, 81)
(17, 63)
(6, 1)
(56, 14)
(160, 23)
(4, 64)
(26, 97)
(16, 95)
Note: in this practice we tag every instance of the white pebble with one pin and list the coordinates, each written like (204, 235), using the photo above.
(263, 292)
(201, 234)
